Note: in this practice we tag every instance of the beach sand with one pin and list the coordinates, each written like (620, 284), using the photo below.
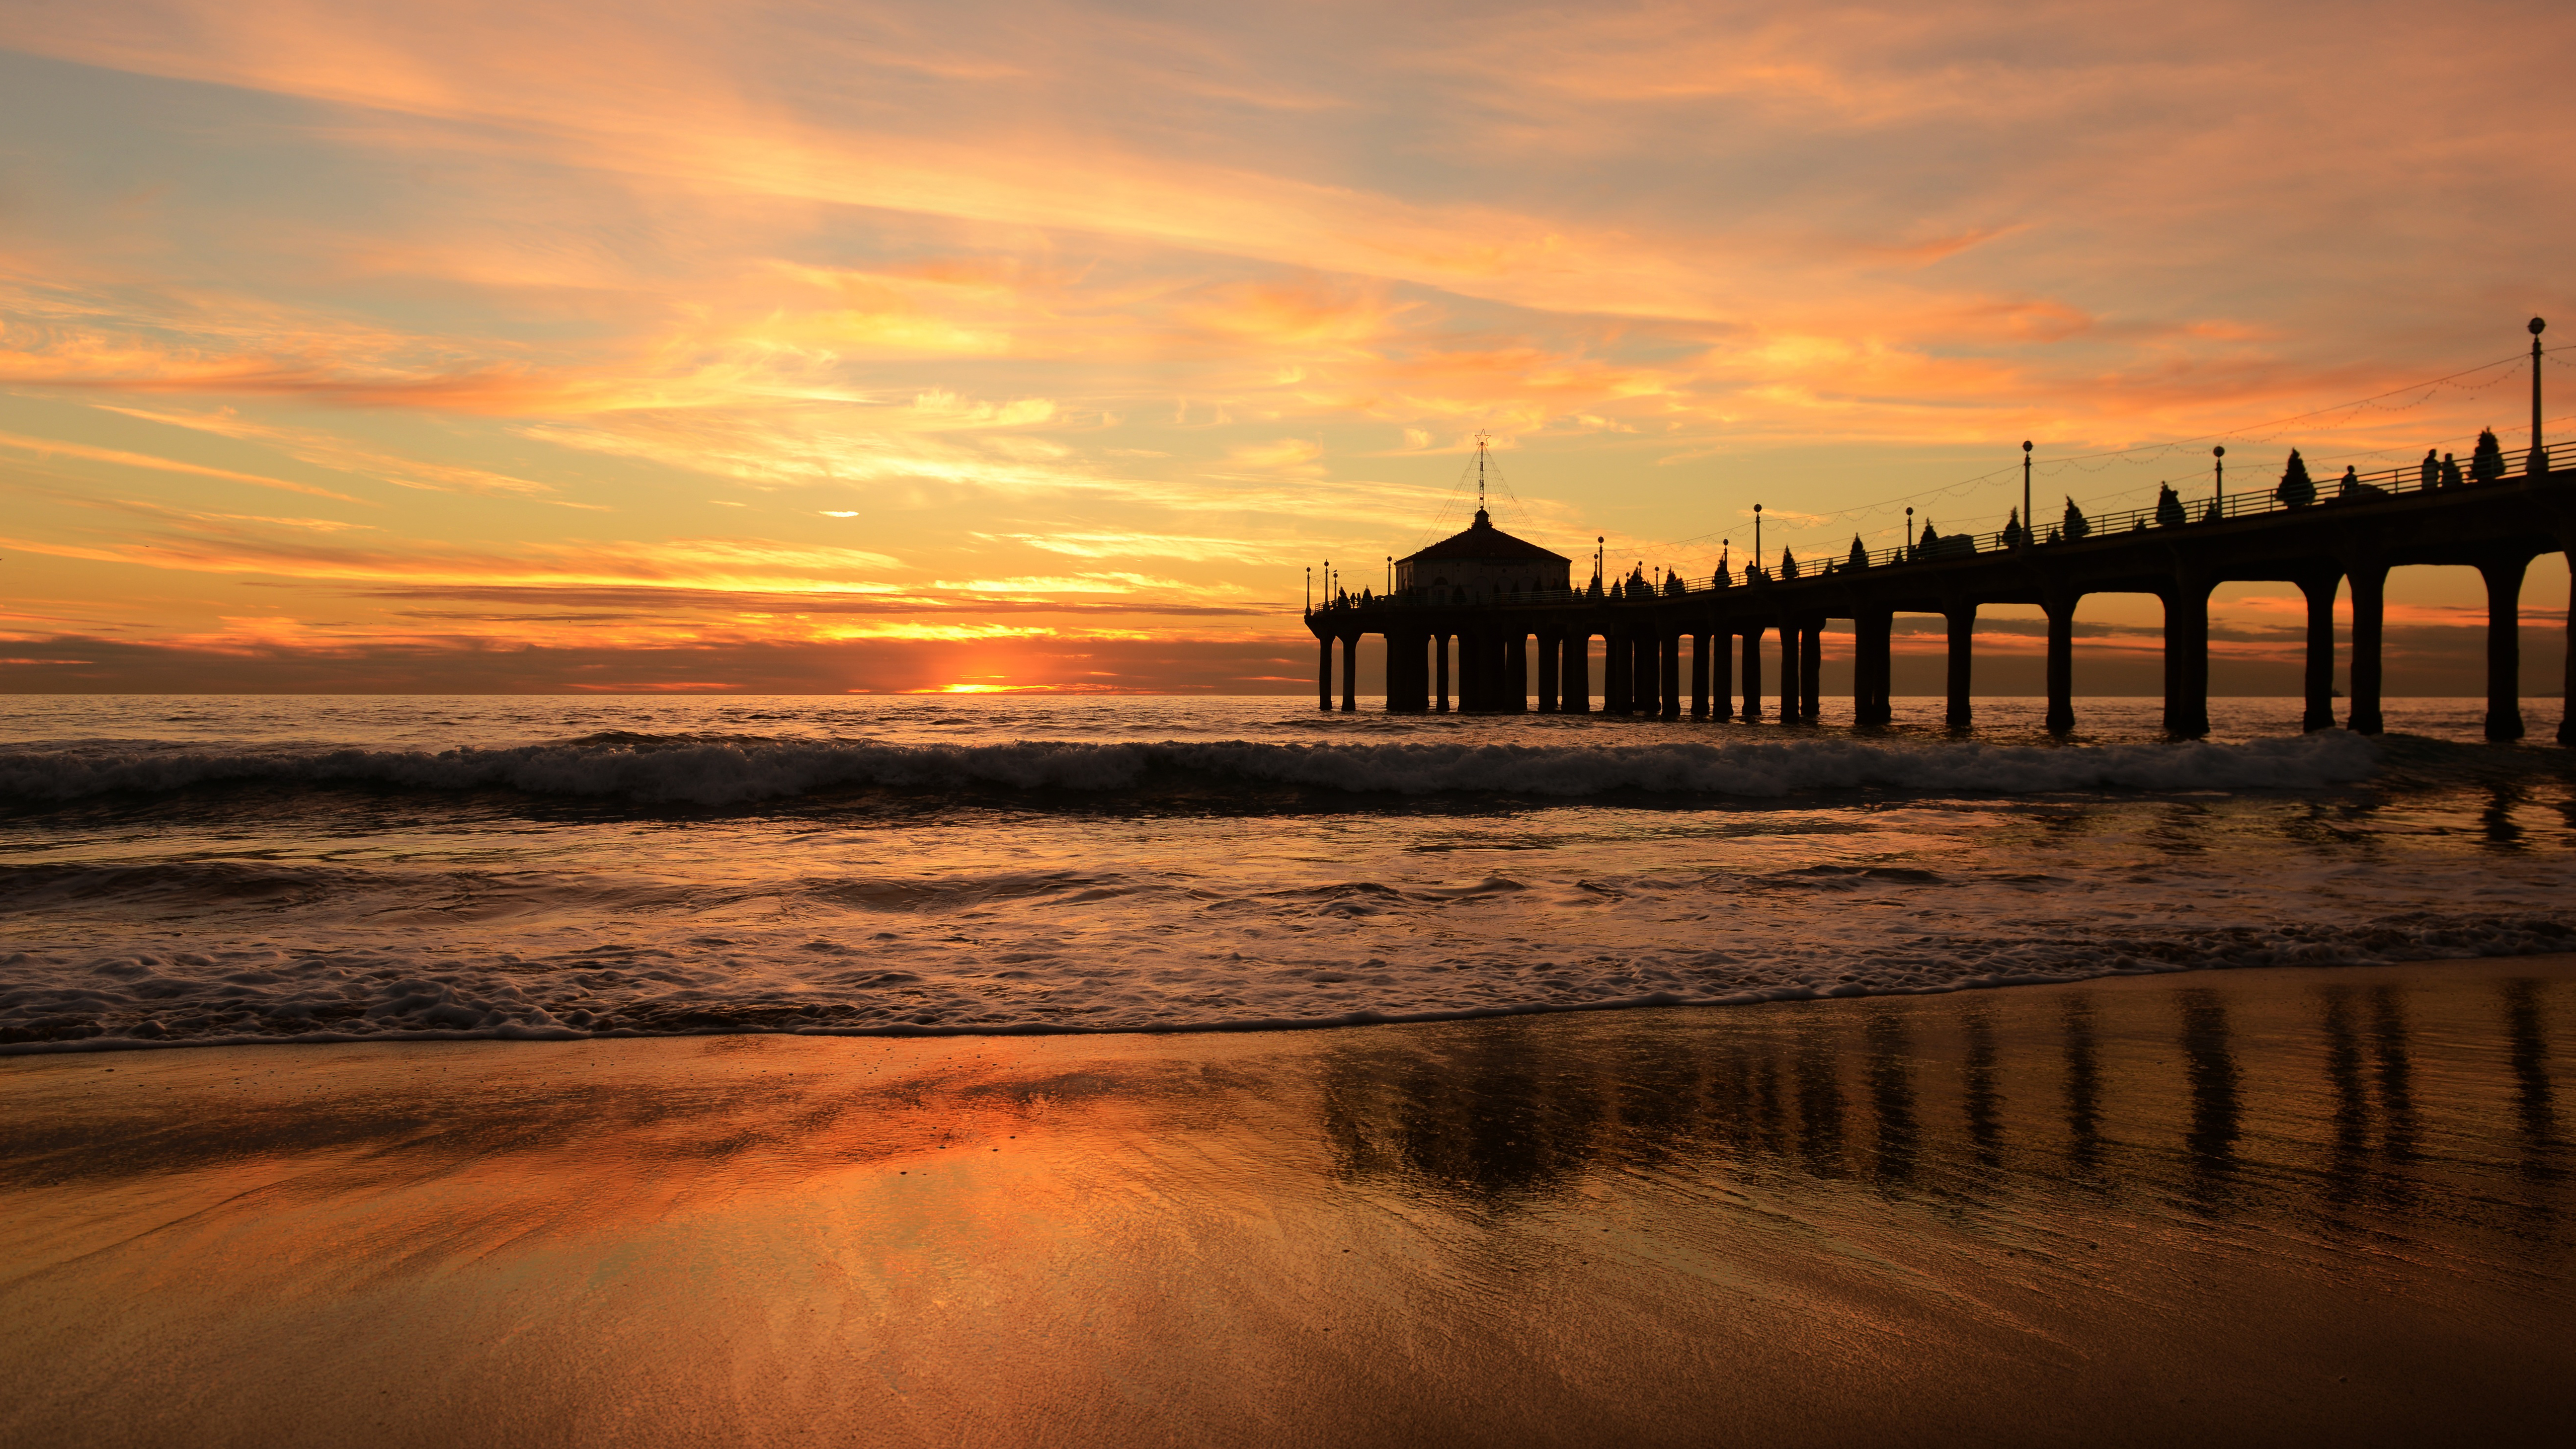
(2267, 1206)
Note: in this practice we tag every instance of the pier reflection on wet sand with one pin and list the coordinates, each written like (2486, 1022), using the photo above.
(2227, 1206)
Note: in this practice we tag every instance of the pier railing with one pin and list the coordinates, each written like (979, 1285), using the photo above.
(2417, 477)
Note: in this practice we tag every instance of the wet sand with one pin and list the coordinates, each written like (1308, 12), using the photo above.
(2225, 1207)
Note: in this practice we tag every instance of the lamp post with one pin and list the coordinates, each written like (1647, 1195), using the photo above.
(1757, 537)
(2025, 493)
(1908, 550)
(2218, 479)
(2538, 462)
(1310, 588)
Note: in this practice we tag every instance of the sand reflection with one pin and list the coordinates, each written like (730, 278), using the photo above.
(1448, 1232)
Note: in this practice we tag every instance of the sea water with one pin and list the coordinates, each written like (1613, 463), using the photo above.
(193, 869)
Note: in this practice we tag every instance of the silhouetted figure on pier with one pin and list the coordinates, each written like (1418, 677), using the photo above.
(2486, 465)
(2430, 473)
(2074, 526)
(2451, 472)
(2352, 488)
(2169, 512)
(2297, 490)
(1934, 545)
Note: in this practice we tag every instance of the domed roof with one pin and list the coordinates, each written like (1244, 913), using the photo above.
(1484, 543)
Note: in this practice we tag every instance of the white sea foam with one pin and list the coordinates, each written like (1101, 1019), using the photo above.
(64, 1001)
(736, 771)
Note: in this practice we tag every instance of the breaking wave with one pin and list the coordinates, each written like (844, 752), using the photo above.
(714, 771)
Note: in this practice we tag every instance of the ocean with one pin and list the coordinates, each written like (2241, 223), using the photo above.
(203, 870)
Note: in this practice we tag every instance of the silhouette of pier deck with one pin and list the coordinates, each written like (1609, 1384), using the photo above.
(2353, 534)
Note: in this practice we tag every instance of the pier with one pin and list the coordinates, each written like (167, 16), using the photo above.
(1665, 645)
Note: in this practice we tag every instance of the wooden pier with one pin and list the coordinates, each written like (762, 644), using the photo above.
(2392, 519)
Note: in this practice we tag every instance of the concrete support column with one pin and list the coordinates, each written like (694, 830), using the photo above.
(2187, 656)
(1644, 675)
(2320, 590)
(1516, 672)
(1324, 673)
(1350, 673)
(1574, 680)
(1752, 673)
(1440, 671)
(1550, 654)
(2369, 590)
(1721, 674)
(1791, 689)
(1873, 671)
(2504, 647)
(1699, 676)
(1963, 636)
(2567, 707)
(1668, 655)
(1811, 671)
(2061, 662)
(1615, 659)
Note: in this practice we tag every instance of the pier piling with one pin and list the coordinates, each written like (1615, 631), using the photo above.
(1962, 616)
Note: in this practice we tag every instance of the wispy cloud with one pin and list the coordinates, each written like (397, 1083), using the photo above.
(51, 447)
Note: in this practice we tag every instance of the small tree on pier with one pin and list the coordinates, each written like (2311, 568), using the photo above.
(2169, 512)
(2013, 530)
(1859, 555)
(1788, 564)
(2296, 489)
(2486, 465)
(2074, 525)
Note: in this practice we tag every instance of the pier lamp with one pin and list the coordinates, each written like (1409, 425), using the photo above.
(2218, 478)
(2025, 492)
(1310, 588)
(2537, 463)
(1757, 537)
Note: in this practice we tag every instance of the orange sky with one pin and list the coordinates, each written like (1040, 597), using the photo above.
(781, 347)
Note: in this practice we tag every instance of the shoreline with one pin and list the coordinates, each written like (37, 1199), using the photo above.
(1659, 1001)
(2262, 1202)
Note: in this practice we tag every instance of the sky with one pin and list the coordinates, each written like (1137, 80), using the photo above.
(823, 348)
